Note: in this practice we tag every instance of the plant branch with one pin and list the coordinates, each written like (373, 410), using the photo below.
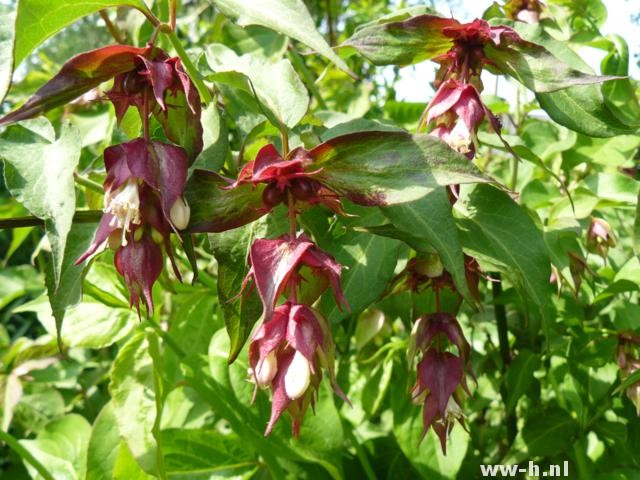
(113, 30)
(25, 454)
(88, 183)
(190, 67)
(81, 216)
(503, 340)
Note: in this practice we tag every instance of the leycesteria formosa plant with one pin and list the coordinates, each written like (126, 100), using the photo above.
(157, 193)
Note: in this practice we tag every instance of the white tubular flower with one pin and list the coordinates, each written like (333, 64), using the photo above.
(266, 369)
(298, 377)
(124, 206)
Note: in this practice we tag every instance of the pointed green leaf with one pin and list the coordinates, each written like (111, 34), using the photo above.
(40, 19)
(289, 17)
(495, 228)
(39, 173)
(276, 84)
(62, 447)
(240, 312)
(133, 393)
(388, 168)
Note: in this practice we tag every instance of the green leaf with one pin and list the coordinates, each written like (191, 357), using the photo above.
(231, 250)
(68, 291)
(40, 19)
(103, 445)
(193, 321)
(214, 209)
(276, 84)
(132, 391)
(39, 173)
(387, 168)
(548, 433)
(536, 62)
(79, 75)
(206, 452)
(496, 229)
(580, 108)
(519, 376)
(583, 110)
(62, 447)
(215, 140)
(368, 260)
(289, 17)
(431, 219)
(7, 38)
(90, 324)
(620, 94)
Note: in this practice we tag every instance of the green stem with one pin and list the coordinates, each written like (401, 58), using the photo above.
(88, 183)
(307, 78)
(81, 216)
(190, 67)
(171, 343)
(25, 454)
(361, 454)
(156, 356)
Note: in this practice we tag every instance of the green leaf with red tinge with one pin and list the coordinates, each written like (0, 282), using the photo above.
(402, 43)
(389, 168)
(216, 209)
(79, 75)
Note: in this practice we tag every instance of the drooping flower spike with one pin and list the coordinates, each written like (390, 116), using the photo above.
(143, 204)
(440, 382)
(287, 354)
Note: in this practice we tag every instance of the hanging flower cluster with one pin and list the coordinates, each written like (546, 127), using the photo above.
(456, 110)
(441, 374)
(629, 362)
(293, 345)
(143, 200)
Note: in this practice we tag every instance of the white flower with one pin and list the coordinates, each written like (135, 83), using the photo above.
(298, 377)
(124, 206)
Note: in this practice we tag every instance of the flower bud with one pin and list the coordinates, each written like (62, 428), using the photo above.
(600, 237)
(267, 369)
(298, 376)
(180, 213)
(429, 266)
(369, 324)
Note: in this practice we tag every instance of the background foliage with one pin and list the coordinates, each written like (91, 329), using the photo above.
(137, 399)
